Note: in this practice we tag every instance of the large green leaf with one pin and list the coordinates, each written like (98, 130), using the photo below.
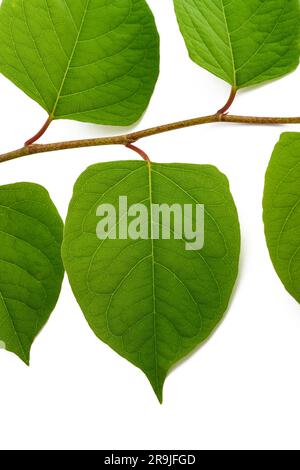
(152, 300)
(244, 42)
(282, 211)
(31, 270)
(89, 60)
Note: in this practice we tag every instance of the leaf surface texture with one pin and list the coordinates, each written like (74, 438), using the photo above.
(152, 301)
(31, 270)
(244, 42)
(88, 60)
(282, 211)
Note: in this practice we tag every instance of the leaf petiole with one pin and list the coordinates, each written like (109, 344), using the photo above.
(229, 102)
(138, 151)
(39, 134)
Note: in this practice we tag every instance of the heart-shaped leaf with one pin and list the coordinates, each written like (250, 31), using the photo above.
(244, 42)
(152, 297)
(282, 211)
(88, 60)
(31, 270)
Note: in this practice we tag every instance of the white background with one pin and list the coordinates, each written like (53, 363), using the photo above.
(241, 390)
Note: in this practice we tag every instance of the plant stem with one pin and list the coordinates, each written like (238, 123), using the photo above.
(40, 133)
(135, 136)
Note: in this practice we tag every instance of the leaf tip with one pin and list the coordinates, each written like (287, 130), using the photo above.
(25, 358)
(159, 395)
(158, 388)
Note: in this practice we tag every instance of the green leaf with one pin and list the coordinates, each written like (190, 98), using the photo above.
(88, 60)
(243, 42)
(152, 300)
(281, 205)
(31, 270)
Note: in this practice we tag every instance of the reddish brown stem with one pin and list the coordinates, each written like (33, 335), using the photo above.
(126, 139)
(40, 133)
(139, 151)
(229, 101)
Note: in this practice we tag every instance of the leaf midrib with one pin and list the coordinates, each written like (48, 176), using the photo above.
(153, 275)
(230, 43)
(52, 114)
